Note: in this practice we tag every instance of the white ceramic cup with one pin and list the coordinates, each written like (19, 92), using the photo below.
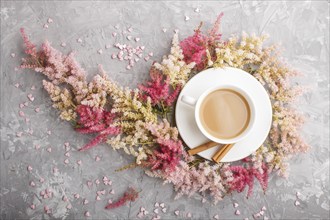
(196, 103)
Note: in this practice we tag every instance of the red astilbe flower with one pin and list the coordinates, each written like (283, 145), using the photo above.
(129, 196)
(159, 89)
(244, 176)
(194, 47)
(166, 156)
(93, 120)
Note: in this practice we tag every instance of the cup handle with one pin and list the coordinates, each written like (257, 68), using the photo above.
(189, 100)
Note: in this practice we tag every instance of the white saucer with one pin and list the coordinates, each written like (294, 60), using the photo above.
(185, 120)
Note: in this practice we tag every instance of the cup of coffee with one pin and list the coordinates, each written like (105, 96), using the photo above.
(224, 114)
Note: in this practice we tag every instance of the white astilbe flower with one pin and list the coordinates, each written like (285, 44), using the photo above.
(173, 65)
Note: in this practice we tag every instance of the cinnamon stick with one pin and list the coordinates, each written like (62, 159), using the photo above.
(217, 157)
(202, 147)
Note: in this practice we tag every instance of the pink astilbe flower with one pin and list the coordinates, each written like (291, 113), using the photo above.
(159, 89)
(93, 120)
(30, 47)
(129, 196)
(244, 176)
(194, 47)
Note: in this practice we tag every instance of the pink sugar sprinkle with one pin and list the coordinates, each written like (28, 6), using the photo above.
(89, 183)
(129, 37)
(37, 110)
(69, 206)
(142, 47)
(33, 87)
(113, 56)
(19, 134)
(112, 192)
(296, 203)
(26, 104)
(21, 105)
(85, 201)
(41, 180)
(67, 154)
(97, 182)
(31, 98)
(298, 194)
(136, 59)
(50, 20)
(130, 29)
(79, 40)
(263, 208)
(79, 162)
(257, 215)
(262, 213)
(237, 212)
(162, 205)
(55, 170)
(107, 46)
(37, 146)
(27, 120)
(97, 198)
(13, 55)
(42, 193)
(87, 214)
(76, 196)
(156, 211)
(156, 204)
(176, 212)
(17, 85)
(151, 54)
(140, 215)
(29, 168)
(203, 200)
(128, 67)
(32, 184)
(164, 210)
(45, 26)
(216, 217)
(32, 206)
(97, 158)
(49, 132)
(21, 113)
(116, 26)
(67, 144)
(100, 51)
(64, 199)
(114, 34)
(63, 44)
(164, 30)
(137, 39)
(146, 58)
(49, 149)
(66, 161)
(102, 192)
(235, 204)
(188, 215)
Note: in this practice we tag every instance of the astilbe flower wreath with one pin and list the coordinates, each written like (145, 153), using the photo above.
(137, 120)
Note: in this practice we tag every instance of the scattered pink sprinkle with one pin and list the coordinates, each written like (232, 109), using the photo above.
(246, 218)
(298, 194)
(13, 55)
(156, 204)
(66, 161)
(129, 37)
(33, 87)
(41, 180)
(67, 154)
(100, 51)
(17, 85)
(89, 184)
(130, 29)
(97, 181)
(137, 39)
(128, 67)
(49, 149)
(85, 201)
(31, 98)
(142, 47)
(113, 56)
(237, 212)
(117, 26)
(69, 206)
(76, 196)
(235, 204)
(151, 54)
(257, 215)
(107, 46)
(186, 18)
(26, 104)
(21, 105)
(97, 158)
(136, 59)
(140, 55)
(42, 193)
(64, 199)
(87, 214)
(45, 26)
(32, 184)
(176, 31)
(296, 203)
(19, 134)
(27, 120)
(262, 213)
(263, 208)
(97, 198)
(164, 210)
(162, 205)
(37, 146)
(114, 34)
(47, 209)
(216, 217)
(164, 30)
(66, 144)
(37, 109)
(176, 212)
(266, 218)
(32, 206)
(146, 58)
(55, 170)
(29, 168)
(197, 10)
(112, 191)
(156, 211)
(50, 20)
(156, 217)
(188, 215)
(109, 201)
(63, 44)
(102, 192)
(21, 113)
(29, 131)
(79, 40)
(140, 215)
(79, 162)
(203, 200)
(49, 132)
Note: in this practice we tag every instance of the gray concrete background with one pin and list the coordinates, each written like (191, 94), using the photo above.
(301, 26)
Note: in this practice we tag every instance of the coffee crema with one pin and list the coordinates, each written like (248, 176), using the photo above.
(225, 113)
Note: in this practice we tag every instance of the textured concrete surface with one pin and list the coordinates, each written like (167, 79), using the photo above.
(301, 26)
